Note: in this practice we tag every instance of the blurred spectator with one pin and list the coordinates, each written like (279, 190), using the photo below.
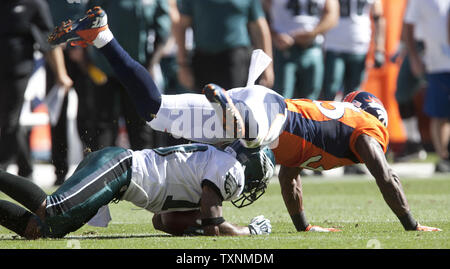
(297, 28)
(409, 95)
(169, 67)
(347, 45)
(76, 63)
(431, 16)
(142, 28)
(25, 25)
(225, 33)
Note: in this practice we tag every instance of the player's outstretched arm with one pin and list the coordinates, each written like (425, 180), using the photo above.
(388, 181)
(214, 224)
(291, 190)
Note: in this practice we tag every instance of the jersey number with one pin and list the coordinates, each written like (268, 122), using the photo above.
(296, 7)
(345, 7)
(337, 111)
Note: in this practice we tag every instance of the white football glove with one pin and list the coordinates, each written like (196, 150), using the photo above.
(260, 225)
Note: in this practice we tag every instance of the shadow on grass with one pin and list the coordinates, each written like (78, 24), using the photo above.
(88, 237)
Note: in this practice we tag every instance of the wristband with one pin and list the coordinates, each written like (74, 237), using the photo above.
(212, 221)
(408, 222)
(300, 222)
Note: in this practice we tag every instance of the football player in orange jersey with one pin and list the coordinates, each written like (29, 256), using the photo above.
(303, 134)
(321, 135)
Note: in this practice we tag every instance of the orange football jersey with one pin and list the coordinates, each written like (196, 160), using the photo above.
(321, 135)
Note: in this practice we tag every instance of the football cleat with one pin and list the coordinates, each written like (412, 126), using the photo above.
(217, 95)
(315, 228)
(427, 229)
(82, 31)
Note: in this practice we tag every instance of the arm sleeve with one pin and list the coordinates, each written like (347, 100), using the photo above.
(256, 11)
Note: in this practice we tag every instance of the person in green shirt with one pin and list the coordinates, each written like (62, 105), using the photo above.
(225, 32)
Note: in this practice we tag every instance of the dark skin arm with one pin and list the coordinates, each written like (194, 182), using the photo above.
(291, 189)
(373, 156)
(211, 207)
(387, 180)
(176, 223)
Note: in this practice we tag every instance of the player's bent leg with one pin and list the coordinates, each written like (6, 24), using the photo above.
(102, 177)
(189, 116)
(20, 220)
(22, 190)
(93, 29)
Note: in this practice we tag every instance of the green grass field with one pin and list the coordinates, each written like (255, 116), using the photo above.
(352, 204)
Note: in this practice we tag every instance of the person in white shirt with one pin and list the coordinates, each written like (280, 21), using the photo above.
(432, 17)
(298, 28)
(195, 178)
(347, 45)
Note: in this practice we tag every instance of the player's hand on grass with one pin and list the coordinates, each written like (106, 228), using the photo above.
(260, 225)
(315, 228)
(427, 229)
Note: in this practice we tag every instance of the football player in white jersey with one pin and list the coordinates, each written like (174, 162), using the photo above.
(193, 177)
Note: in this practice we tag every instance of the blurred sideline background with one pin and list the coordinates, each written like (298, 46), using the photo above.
(381, 82)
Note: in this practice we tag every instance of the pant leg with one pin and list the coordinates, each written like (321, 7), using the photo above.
(189, 116)
(334, 75)
(309, 77)
(285, 69)
(60, 143)
(238, 66)
(228, 69)
(354, 71)
(101, 177)
(12, 135)
(107, 112)
(140, 134)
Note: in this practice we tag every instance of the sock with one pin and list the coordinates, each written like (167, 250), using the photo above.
(14, 217)
(300, 221)
(103, 38)
(136, 79)
(22, 190)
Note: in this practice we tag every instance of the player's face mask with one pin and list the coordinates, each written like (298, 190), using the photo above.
(259, 166)
(369, 103)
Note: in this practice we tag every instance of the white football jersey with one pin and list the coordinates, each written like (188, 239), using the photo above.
(289, 16)
(353, 32)
(171, 178)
